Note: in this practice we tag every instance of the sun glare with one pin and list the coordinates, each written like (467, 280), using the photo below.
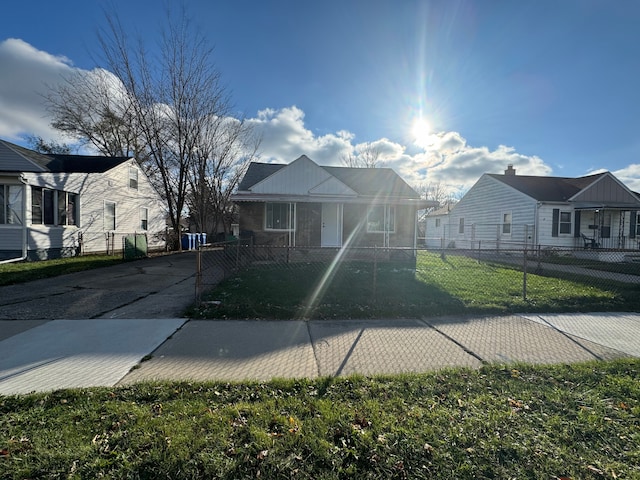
(421, 132)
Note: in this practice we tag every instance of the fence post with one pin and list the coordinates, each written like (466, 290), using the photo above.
(375, 270)
(524, 275)
(198, 276)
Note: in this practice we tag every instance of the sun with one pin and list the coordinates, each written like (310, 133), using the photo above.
(421, 132)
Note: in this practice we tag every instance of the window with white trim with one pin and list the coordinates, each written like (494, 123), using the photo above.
(144, 218)
(437, 223)
(11, 204)
(381, 219)
(67, 208)
(109, 215)
(133, 178)
(564, 223)
(279, 216)
(506, 223)
(461, 226)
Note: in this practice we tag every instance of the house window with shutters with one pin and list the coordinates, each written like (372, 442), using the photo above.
(561, 223)
(565, 223)
(637, 224)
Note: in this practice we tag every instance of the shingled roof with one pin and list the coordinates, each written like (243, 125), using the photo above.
(14, 158)
(364, 181)
(547, 189)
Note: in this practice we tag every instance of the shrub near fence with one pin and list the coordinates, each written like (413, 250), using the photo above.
(304, 282)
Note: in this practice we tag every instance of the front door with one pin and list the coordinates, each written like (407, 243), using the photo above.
(331, 235)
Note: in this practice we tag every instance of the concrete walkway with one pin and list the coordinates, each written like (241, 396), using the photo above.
(42, 356)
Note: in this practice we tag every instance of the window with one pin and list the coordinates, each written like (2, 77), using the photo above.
(109, 215)
(437, 223)
(11, 204)
(62, 208)
(381, 219)
(133, 178)
(461, 226)
(42, 206)
(506, 223)
(565, 222)
(67, 208)
(637, 224)
(73, 218)
(53, 207)
(144, 218)
(279, 216)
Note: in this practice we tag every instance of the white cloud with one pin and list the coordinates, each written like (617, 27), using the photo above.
(630, 176)
(447, 159)
(24, 77)
(285, 137)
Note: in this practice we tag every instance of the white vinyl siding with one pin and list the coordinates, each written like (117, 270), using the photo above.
(481, 211)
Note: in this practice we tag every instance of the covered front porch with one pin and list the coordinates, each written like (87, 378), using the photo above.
(607, 228)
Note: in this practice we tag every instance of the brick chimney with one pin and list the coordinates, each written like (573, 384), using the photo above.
(510, 170)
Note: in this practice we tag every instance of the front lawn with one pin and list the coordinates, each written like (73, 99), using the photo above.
(573, 421)
(21, 272)
(434, 286)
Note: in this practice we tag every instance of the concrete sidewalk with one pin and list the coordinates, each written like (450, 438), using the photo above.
(43, 356)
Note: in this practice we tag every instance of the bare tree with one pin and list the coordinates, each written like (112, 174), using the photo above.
(40, 145)
(221, 160)
(436, 191)
(367, 156)
(171, 112)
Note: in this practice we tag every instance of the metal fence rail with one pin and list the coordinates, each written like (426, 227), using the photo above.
(592, 267)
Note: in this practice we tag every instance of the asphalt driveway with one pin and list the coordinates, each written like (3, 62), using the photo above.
(156, 287)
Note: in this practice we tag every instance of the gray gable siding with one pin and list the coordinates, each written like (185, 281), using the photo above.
(606, 190)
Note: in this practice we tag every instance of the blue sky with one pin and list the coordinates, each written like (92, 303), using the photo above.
(551, 87)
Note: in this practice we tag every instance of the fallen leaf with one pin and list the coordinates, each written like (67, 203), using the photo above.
(262, 455)
(4, 452)
(595, 470)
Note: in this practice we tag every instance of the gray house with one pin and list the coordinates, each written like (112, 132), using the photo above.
(61, 205)
(305, 204)
(594, 211)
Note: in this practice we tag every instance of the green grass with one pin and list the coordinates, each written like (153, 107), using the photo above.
(433, 287)
(575, 421)
(21, 272)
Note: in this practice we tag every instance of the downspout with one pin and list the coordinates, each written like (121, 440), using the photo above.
(24, 226)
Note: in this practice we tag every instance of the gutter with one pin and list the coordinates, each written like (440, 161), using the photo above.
(24, 226)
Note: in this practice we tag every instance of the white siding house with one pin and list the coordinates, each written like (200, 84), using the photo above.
(64, 205)
(503, 211)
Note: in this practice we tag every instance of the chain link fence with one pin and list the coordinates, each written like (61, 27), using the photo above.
(378, 272)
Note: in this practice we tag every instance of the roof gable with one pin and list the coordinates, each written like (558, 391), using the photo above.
(332, 186)
(296, 178)
(606, 189)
